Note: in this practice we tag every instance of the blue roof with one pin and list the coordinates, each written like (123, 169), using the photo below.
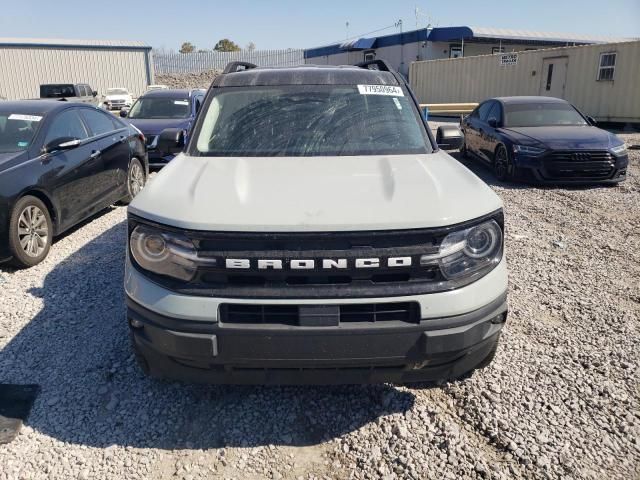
(452, 34)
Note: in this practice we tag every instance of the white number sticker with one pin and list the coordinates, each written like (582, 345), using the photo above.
(26, 118)
(388, 90)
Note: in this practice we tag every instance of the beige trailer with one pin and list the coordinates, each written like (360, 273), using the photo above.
(601, 80)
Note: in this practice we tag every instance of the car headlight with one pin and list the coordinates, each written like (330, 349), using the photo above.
(469, 252)
(620, 150)
(164, 253)
(527, 150)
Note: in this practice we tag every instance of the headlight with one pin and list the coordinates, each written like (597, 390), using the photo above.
(526, 150)
(620, 150)
(164, 253)
(469, 252)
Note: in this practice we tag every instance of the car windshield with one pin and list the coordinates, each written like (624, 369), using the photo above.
(117, 91)
(541, 115)
(312, 120)
(57, 91)
(160, 107)
(17, 130)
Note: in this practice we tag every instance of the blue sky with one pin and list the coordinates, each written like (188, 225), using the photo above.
(299, 23)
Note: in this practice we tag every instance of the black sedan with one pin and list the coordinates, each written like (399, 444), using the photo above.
(60, 163)
(543, 139)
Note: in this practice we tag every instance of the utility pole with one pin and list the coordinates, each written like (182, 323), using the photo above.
(347, 25)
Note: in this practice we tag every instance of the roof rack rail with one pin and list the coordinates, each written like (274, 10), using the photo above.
(381, 65)
(234, 67)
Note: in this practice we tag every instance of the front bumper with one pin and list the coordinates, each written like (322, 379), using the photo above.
(189, 341)
(432, 350)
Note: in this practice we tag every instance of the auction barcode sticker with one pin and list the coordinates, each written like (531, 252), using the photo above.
(388, 90)
(26, 118)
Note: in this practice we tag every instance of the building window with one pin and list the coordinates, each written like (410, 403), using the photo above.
(607, 66)
(455, 51)
(370, 55)
(497, 50)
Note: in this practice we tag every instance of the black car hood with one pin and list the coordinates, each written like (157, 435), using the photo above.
(9, 159)
(563, 138)
(150, 126)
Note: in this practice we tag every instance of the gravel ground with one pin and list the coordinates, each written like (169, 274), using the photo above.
(187, 80)
(561, 399)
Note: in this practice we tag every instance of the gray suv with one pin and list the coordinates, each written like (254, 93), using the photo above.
(312, 231)
(78, 92)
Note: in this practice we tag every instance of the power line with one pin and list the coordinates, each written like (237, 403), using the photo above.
(361, 35)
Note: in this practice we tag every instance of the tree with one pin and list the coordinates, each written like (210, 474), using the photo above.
(226, 45)
(187, 47)
(251, 46)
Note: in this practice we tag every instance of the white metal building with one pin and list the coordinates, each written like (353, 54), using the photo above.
(401, 49)
(25, 63)
(602, 80)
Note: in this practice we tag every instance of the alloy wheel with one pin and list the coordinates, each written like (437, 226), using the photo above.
(33, 232)
(501, 164)
(136, 179)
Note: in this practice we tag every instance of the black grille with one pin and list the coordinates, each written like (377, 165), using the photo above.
(216, 279)
(408, 312)
(580, 164)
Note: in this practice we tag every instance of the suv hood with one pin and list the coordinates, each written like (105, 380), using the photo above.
(152, 126)
(118, 97)
(564, 138)
(280, 194)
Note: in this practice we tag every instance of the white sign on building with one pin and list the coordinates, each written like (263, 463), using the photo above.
(508, 59)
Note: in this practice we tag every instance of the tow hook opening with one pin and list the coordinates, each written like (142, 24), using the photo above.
(502, 318)
(137, 324)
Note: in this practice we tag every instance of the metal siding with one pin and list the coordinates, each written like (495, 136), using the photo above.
(24, 69)
(473, 79)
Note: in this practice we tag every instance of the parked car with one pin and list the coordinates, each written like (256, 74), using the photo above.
(313, 232)
(156, 87)
(117, 98)
(158, 110)
(60, 163)
(80, 92)
(543, 139)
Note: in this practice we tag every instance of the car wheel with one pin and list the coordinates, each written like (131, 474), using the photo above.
(30, 232)
(464, 152)
(502, 164)
(135, 180)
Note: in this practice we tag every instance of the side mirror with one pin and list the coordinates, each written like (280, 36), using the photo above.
(449, 137)
(171, 141)
(493, 123)
(592, 121)
(63, 143)
(94, 93)
(124, 112)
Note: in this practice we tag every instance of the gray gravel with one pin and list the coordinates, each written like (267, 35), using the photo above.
(187, 80)
(561, 400)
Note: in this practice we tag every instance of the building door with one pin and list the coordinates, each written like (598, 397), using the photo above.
(554, 76)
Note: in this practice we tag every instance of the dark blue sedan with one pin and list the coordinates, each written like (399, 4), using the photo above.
(158, 110)
(542, 139)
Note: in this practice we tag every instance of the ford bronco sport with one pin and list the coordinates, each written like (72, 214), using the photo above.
(312, 231)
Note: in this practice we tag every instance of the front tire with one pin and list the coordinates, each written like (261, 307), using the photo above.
(464, 151)
(502, 167)
(30, 232)
(135, 180)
